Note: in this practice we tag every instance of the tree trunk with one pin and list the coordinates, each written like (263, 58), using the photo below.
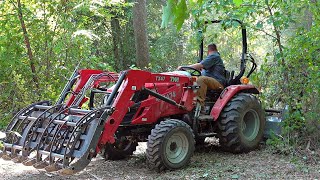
(117, 43)
(140, 34)
(278, 39)
(46, 46)
(27, 43)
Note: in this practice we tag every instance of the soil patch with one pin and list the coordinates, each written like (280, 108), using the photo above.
(208, 162)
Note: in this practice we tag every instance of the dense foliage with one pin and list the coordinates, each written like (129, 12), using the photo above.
(43, 41)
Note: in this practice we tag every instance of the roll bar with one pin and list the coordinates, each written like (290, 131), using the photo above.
(244, 49)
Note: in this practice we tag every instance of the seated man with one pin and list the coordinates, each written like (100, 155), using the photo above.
(212, 73)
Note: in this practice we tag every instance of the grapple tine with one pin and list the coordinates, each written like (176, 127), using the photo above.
(39, 123)
(15, 120)
(77, 158)
(29, 162)
(52, 167)
(43, 146)
(19, 159)
(6, 157)
(67, 171)
(41, 164)
(17, 132)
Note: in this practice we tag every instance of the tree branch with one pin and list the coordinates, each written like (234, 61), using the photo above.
(264, 32)
(28, 46)
(278, 38)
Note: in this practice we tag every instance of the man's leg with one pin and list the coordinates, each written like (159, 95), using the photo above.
(206, 82)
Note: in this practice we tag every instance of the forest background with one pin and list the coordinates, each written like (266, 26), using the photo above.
(41, 42)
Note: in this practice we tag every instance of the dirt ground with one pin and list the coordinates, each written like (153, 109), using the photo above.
(208, 162)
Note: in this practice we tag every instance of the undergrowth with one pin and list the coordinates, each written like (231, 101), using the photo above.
(300, 137)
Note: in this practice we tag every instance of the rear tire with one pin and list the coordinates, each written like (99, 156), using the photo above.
(241, 124)
(170, 145)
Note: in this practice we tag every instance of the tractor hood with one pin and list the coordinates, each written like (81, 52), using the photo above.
(180, 73)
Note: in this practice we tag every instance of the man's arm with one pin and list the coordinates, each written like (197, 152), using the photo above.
(197, 66)
(206, 63)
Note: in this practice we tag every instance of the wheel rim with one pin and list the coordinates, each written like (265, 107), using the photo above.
(250, 125)
(177, 148)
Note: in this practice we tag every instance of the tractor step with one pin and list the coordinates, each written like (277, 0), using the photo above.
(205, 118)
(54, 138)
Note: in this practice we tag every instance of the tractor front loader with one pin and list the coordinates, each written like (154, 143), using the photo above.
(160, 108)
(65, 137)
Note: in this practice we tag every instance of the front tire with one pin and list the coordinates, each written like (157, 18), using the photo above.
(241, 124)
(170, 145)
(120, 149)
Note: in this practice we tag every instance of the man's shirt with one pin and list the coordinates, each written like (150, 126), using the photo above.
(214, 67)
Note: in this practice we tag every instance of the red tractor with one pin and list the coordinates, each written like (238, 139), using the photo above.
(159, 108)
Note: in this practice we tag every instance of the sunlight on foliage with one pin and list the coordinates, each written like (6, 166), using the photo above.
(86, 33)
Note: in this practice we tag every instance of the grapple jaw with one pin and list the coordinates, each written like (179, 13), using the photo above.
(54, 138)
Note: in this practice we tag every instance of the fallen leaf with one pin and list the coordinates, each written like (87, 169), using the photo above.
(235, 176)
(205, 175)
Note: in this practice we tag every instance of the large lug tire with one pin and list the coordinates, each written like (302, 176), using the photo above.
(241, 124)
(170, 145)
(120, 149)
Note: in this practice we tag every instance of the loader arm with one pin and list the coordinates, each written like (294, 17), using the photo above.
(87, 79)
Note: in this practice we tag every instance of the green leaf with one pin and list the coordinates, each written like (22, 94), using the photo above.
(278, 55)
(181, 14)
(237, 2)
(166, 14)
(259, 25)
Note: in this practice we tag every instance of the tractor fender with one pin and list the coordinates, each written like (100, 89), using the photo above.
(227, 94)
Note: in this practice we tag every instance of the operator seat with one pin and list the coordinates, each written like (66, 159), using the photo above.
(214, 94)
(229, 77)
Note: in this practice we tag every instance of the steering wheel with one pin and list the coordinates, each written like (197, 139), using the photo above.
(191, 70)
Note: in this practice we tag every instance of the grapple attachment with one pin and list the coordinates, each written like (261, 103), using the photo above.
(54, 137)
